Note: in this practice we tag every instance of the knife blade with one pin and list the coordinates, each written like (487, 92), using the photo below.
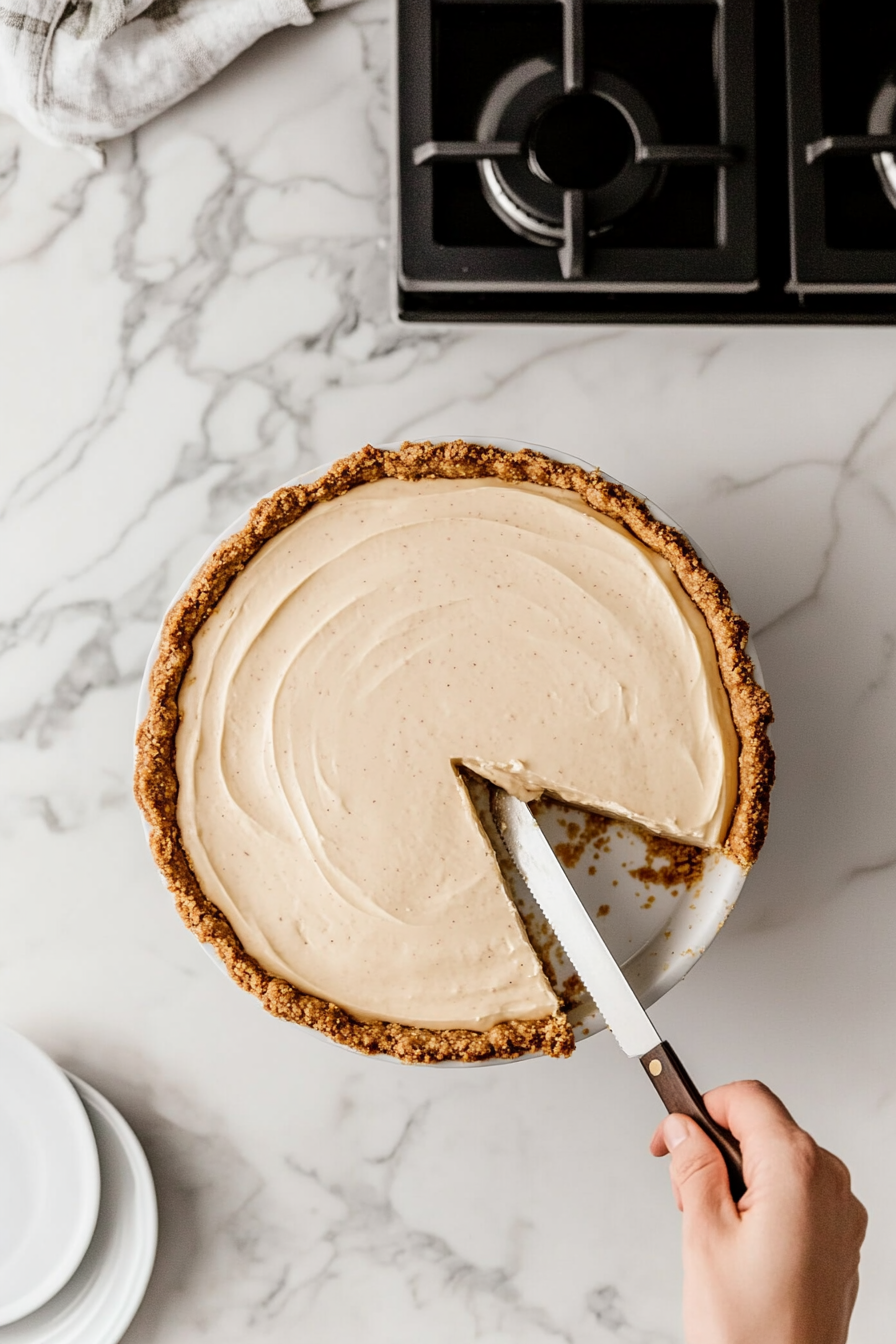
(602, 976)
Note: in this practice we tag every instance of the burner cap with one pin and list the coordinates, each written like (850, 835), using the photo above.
(583, 141)
(580, 141)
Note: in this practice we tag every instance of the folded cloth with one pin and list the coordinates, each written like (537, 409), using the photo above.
(80, 71)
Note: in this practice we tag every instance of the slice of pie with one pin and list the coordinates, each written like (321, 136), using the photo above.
(336, 663)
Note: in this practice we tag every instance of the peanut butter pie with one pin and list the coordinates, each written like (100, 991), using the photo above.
(337, 661)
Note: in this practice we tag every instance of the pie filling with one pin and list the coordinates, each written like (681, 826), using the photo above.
(367, 650)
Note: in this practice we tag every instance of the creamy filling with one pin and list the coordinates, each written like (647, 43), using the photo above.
(371, 647)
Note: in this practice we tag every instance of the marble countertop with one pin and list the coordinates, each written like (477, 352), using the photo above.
(205, 318)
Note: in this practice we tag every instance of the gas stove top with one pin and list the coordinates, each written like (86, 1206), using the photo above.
(647, 160)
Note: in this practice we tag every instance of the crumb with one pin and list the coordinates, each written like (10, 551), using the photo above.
(680, 865)
(580, 836)
(573, 992)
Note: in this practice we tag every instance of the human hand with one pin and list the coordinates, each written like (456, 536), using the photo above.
(782, 1265)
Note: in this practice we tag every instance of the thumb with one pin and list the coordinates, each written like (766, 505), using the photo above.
(698, 1172)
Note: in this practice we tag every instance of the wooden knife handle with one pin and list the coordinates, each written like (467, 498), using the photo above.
(680, 1097)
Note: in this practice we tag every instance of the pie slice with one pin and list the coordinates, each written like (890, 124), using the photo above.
(337, 661)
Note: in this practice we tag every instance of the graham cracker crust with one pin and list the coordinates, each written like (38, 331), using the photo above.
(156, 784)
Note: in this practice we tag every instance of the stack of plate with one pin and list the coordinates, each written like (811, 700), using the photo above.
(77, 1206)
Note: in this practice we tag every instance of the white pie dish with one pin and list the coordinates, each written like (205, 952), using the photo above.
(657, 940)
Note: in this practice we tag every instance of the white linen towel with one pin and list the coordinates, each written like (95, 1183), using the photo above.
(76, 72)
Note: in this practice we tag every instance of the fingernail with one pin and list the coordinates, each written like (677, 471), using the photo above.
(675, 1131)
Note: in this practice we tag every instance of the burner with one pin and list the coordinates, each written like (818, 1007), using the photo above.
(581, 140)
(585, 141)
(880, 122)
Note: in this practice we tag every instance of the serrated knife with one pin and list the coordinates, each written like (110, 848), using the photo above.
(603, 978)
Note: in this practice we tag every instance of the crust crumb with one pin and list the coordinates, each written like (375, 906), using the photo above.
(668, 863)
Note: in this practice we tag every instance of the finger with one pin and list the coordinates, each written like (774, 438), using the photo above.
(749, 1108)
(698, 1172)
(776, 1151)
(658, 1145)
(743, 1108)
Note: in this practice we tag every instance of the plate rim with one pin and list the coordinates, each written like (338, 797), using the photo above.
(146, 1208)
(86, 1182)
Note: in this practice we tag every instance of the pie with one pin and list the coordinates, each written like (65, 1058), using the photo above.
(340, 663)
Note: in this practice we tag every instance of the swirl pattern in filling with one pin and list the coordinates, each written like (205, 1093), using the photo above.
(367, 650)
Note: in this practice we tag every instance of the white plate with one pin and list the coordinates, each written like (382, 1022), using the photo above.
(98, 1303)
(49, 1178)
(656, 941)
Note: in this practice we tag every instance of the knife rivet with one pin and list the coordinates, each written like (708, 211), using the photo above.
(655, 1066)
